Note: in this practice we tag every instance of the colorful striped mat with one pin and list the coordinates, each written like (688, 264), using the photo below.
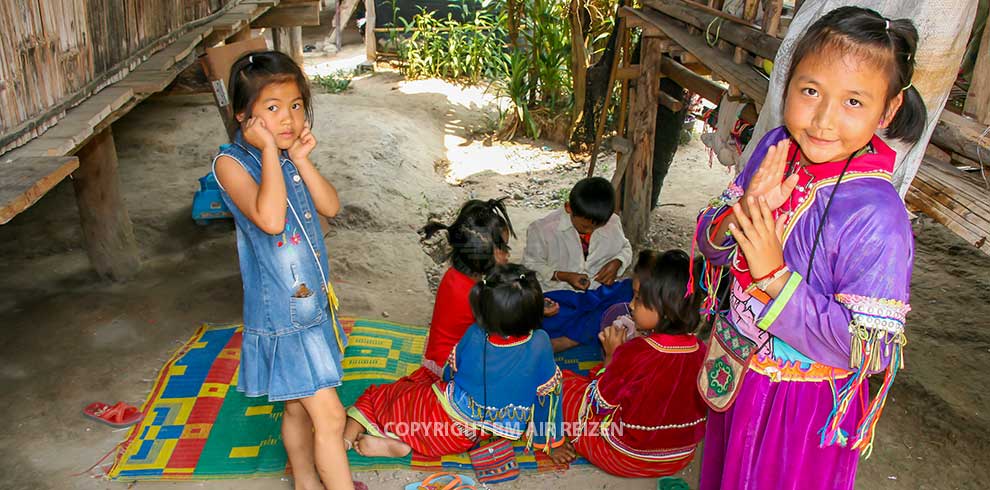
(199, 427)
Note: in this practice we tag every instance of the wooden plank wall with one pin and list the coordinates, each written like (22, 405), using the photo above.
(50, 49)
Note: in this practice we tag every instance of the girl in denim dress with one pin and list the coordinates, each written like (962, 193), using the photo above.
(293, 343)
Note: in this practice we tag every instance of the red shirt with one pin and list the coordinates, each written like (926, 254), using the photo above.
(585, 242)
(652, 382)
(451, 318)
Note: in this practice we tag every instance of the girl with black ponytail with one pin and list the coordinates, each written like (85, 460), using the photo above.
(479, 240)
(819, 250)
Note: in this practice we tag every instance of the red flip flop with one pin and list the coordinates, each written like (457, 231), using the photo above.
(119, 415)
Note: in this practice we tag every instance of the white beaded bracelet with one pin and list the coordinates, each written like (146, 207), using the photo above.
(765, 283)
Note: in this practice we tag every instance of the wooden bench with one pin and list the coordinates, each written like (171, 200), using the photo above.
(81, 143)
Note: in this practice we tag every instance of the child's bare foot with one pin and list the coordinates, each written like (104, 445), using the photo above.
(380, 446)
(313, 483)
(562, 343)
(563, 454)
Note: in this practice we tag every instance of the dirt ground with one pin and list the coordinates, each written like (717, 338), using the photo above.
(398, 151)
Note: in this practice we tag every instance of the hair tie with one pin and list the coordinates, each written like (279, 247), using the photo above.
(484, 282)
(250, 59)
(522, 277)
(886, 24)
(909, 85)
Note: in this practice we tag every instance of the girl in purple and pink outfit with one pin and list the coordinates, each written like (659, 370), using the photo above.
(820, 251)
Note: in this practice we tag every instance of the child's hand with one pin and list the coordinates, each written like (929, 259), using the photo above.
(258, 135)
(609, 272)
(759, 237)
(576, 280)
(563, 454)
(550, 307)
(303, 145)
(611, 338)
(769, 180)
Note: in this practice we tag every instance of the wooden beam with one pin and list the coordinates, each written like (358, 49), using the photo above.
(25, 180)
(175, 52)
(691, 80)
(290, 15)
(107, 229)
(960, 134)
(634, 18)
(643, 120)
(628, 73)
(741, 76)
(978, 98)
(671, 103)
(733, 30)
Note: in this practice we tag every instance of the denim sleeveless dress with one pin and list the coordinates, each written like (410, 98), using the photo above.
(293, 342)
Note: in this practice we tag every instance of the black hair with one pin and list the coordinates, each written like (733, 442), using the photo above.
(508, 301)
(477, 232)
(254, 71)
(663, 278)
(890, 44)
(593, 198)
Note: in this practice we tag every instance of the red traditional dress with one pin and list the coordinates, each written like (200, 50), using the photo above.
(641, 416)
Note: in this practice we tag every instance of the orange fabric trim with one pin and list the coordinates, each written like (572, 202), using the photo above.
(793, 371)
(671, 349)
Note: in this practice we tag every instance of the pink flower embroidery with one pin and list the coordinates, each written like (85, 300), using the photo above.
(296, 238)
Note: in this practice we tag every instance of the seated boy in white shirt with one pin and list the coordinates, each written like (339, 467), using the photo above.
(579, 253)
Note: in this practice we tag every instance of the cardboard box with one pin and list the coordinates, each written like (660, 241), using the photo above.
(217, 65)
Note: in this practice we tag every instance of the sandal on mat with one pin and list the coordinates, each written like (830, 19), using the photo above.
(443, 481)
(119, 415)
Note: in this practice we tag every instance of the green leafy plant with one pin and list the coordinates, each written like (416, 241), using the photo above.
(335, 82)
(467, 49)
(538, 77)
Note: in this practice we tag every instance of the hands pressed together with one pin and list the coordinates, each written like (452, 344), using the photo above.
(758, 234)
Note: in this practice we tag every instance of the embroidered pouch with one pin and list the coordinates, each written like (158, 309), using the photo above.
(495, 461)
(725, 365)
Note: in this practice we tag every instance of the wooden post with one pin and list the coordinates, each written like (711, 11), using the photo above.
(978, 99)
(106, 226)
(624, 90)
(296, 44)
(771, 16)
(370, 41)
(749, 14)
(280, 40)
(338, 20)
(639, 176)
(343, 14)
(771, 20)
